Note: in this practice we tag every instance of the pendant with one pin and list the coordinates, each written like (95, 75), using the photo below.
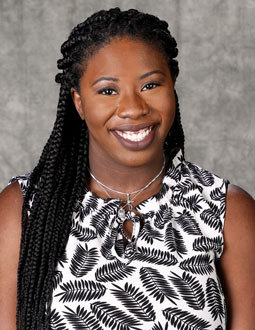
(129, 203)
(128, 215)
(122, 214)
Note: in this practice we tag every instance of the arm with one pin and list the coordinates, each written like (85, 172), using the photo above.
(237, 264)
(11, 201)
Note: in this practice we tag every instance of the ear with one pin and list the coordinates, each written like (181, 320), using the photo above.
(77, 102)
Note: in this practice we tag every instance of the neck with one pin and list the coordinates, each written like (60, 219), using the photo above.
(123, 178)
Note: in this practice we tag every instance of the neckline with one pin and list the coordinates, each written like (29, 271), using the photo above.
(178, 158)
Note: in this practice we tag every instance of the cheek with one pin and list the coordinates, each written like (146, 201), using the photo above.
(93, 113)
(96, 118)
(167, 105)
(98, 110)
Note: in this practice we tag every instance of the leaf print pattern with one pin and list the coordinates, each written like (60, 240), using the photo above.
(113, 271)
(135, 301)
(159, 327)
(214, 299)
(149, 234)
(162, 217)
(149, 215)
(187, 222)
(169, 281)
(100, 221)
(200, 264)
(190, 289)
(188, 202)
(81, 290)
(163, 191)
(63, 260)
(57, 278)
(83, 260)
(174, 241)
(205, 244)
(187, 186)
(211, 217)
(56, 321)
(184, 320)
(217, 195)
(203, 177)
(174, 173)
(157, 285)
(116, 318)
(83, 211)
(120, 247)
(108, 243)
(155, 256)
(81, 319)
(83, 234)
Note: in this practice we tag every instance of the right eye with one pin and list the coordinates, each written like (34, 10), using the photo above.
(107, 91)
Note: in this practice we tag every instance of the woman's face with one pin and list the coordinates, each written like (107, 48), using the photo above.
(127, 100)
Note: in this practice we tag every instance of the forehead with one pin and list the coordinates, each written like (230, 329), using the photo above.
(124, 56)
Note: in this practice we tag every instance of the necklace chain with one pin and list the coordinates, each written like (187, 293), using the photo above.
(133, 192)
(122, 214)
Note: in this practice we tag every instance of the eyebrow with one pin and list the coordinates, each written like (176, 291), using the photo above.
(150, 73)
(104, 78)
(147, 74)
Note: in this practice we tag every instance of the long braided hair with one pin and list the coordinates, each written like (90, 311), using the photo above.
(56, 182)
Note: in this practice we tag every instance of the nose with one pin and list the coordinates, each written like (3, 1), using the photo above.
(132, 106)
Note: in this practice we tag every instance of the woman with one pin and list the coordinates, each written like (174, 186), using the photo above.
(118, 230)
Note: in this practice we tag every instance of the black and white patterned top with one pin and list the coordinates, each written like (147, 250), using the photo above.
(166, 280)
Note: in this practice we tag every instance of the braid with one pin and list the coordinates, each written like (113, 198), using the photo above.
(56, 182)
(175, 138)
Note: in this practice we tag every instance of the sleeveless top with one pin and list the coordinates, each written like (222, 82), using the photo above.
(164, 279)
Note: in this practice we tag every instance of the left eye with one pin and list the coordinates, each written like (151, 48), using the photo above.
(150, 86)
(107, 91)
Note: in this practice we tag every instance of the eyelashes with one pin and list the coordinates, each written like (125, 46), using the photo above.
(150, 85)
(112, 91)
(107, 91)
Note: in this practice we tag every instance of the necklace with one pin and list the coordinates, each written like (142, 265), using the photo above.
(122, 214)
(129, 202)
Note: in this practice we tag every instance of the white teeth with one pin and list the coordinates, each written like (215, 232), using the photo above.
(135, 136)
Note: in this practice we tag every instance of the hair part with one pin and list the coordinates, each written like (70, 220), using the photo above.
(56, 182)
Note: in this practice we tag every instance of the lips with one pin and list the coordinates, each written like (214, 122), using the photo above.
(135, 137)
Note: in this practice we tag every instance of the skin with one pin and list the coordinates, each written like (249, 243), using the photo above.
(135, 101)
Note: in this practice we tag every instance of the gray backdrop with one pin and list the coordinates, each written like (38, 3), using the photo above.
(216, 85)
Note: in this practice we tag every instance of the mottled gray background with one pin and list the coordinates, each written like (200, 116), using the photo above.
(216, 86)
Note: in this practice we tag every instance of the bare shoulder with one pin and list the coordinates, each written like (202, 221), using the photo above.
(239, 200)
(239, 218)
(237, 264)
(11, 202)
(11, 195)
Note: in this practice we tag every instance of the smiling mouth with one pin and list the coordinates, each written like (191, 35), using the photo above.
(135, 136)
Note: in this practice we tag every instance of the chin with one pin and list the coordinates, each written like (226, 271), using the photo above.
(135, 159)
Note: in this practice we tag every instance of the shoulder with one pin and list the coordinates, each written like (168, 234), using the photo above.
(239, 195)
(11, 201)
(240, 208)
(238, 257)
(239, 228)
